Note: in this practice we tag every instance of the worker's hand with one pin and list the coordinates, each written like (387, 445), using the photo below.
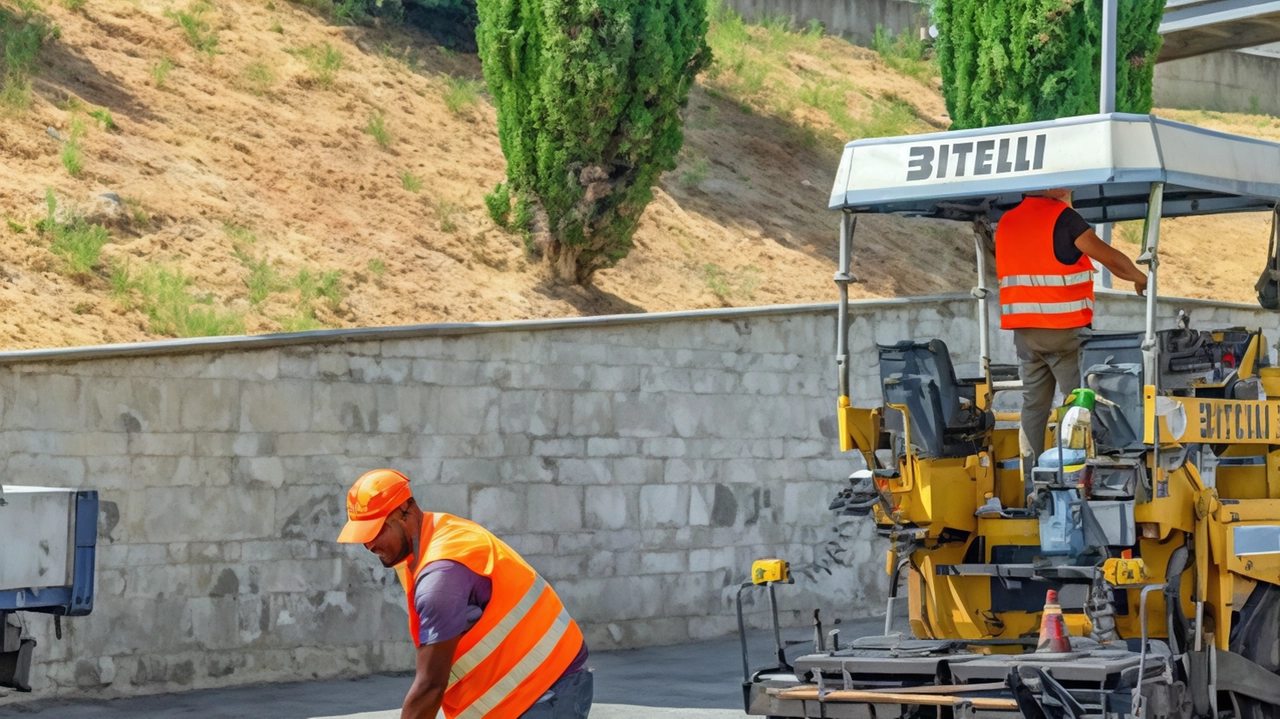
(1140, 286)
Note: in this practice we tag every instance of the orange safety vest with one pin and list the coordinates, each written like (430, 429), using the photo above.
(524, 641)
(1036, 290)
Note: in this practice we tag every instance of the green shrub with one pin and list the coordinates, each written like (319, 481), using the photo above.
(498, 203)
(1012, 61)
(447, 212)
(315, 286)
(122, 281)
(905, 53)
(324, 62)
(377, 267)
(260, 77)
(173, 310)
(695, 173)
(1130, 232)
(160, 71)
(377, 129)
(78, 243)
(199, 34)
(461, 93)
(262, 279)
(301, 323)
(588, 94)
(727, 285)
(410, 181)
(138, 214)
(104, 118)
(72, 149)
(21, 36)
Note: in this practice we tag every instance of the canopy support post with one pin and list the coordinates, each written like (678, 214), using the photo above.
(848, 223)
(1107, 95)
(1151, 259)
(980, 232)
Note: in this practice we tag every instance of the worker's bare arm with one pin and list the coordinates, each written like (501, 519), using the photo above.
(1111, 258)
(430, 680)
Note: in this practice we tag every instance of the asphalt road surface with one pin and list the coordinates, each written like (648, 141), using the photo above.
(689, 681)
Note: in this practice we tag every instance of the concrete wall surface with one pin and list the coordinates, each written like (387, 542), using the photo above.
(1236, 81)
(640, 463)
(852, 19)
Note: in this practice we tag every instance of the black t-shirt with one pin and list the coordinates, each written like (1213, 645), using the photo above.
(1069, 227)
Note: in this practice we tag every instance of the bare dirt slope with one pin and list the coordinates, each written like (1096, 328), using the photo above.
(259, 181)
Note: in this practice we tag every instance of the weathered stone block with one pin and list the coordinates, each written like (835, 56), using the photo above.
(607, 507)
(462, 410)
(379, 369)
(664, 447)
(306, 444)
(664, 506)
(258, 366)
(344, 407)
(280, 406)
(664, 562)
(560, 447)
(43, 401)
(500, 509)
(538, 413)
(592, 414)
(450, 372)
(184, 514)
(642, 415)
(45, 470)
(554, 508)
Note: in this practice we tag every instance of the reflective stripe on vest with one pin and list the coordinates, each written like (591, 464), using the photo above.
(483, 648)
(1045, 308)
(530, 663)
(1045, 280)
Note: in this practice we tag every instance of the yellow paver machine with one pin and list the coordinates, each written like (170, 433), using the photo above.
(1158, 524)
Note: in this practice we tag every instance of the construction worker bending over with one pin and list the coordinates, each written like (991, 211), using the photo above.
(493, 639)
(1043, 251)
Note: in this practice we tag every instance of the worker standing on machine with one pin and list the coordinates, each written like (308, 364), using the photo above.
(1043, 252)
(493, 640)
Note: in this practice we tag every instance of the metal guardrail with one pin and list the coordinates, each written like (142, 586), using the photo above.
(201, 345)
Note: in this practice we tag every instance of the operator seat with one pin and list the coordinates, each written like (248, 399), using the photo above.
(945, 420)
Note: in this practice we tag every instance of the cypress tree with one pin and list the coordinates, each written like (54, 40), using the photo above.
(588, 94)
(1012, 61)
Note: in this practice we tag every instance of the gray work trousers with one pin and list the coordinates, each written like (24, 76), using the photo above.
(569, 698)
(1045, 358)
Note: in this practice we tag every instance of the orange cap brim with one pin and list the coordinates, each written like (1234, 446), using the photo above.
(360, 531)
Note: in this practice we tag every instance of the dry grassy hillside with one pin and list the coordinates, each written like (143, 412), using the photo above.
(275, 171)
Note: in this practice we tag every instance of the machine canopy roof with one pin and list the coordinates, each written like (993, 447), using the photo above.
(1109, 160)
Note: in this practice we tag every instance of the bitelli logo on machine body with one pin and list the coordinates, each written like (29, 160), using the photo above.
(974, 158)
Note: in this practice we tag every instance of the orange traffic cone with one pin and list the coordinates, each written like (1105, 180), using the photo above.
(1053, 630)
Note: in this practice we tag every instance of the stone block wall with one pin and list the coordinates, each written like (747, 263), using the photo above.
(1231, 81)
(640, 463)
(855, 20)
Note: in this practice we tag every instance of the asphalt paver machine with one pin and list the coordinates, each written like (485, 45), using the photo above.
(1162, 542)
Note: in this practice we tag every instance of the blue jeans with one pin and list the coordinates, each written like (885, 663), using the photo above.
(570, 698)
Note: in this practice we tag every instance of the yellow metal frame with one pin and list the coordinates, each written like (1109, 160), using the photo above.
(942, 495)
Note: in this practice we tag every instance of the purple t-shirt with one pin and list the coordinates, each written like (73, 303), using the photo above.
(450, 599)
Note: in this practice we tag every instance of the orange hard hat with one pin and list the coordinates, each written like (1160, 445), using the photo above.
(374, 496)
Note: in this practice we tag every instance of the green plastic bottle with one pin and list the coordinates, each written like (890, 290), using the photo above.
(1077, 419)
(1082, 398)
